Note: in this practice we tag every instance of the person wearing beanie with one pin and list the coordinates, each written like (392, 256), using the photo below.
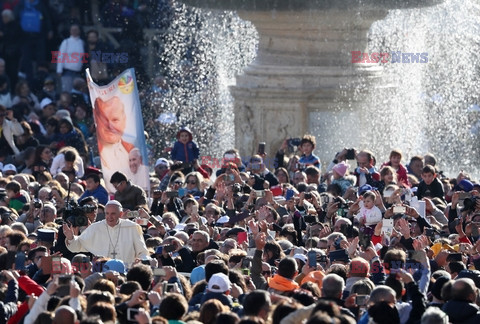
(339, 171)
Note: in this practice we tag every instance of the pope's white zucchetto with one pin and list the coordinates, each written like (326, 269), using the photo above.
(115, 203)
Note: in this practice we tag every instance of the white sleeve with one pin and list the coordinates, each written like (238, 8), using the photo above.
(57, 164)
(16, 127)
(376, 216)
(75, 304)
(39, 306)
(79, 167)
(139, 244)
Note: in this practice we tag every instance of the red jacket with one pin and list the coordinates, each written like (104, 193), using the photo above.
(29, 287)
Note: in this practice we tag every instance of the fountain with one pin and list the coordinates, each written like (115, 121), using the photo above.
(301, 79)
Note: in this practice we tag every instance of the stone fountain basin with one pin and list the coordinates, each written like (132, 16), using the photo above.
(296, 5)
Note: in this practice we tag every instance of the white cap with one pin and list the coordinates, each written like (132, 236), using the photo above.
(62, 113)
(301, 257)
(219, 283)
(162, 161)
(9, 167)
(113, 202)
(45, 102)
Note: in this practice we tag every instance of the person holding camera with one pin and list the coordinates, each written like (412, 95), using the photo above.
(261, 173)
(31, 218)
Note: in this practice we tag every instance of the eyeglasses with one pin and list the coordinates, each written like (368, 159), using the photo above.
(117, 185)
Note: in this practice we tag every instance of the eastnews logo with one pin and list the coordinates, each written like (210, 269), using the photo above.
(95, 56)
(393, 57)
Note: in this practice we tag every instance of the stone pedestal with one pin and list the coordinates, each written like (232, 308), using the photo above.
(303, 80)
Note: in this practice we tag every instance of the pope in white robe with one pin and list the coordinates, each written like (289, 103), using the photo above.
(112, 237)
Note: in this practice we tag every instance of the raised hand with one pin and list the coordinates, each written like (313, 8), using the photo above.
(253, 227)
(68, 231)
(324, 232)
(352, 247)
(260, 241)
(403, 228)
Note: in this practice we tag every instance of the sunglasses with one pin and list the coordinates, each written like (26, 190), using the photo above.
(178, 182)
(117, 185)
(192, 182)
(268, 273)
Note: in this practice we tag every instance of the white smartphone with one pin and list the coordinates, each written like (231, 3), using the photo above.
(399, 209)
(387, 227)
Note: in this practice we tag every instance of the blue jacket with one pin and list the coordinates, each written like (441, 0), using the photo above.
(185, 152)
(100, 193)
(312, 159)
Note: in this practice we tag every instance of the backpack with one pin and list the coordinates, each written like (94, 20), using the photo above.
(31, 19)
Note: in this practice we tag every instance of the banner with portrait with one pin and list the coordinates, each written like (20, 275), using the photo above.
(119, 127)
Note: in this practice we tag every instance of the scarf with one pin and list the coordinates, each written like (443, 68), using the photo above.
(282, 284)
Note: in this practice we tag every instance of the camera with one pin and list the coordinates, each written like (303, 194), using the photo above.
(341, 203)
(172, 194)
(430, 232)
(236, 188)
(309, 219)
(292, 142)
(76, 215)
(300, 166)
(64, 280)
(350, 154)
(132, 214)
(37, 203)
(399, 209)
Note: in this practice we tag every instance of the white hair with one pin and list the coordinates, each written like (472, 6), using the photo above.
(434, 315)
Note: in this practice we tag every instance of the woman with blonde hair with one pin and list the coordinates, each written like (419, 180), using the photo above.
(193, 184)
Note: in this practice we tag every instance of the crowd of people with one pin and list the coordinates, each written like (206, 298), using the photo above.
(354, 240)
(374, 243)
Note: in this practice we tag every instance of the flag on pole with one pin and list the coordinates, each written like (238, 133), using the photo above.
(119, 127)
